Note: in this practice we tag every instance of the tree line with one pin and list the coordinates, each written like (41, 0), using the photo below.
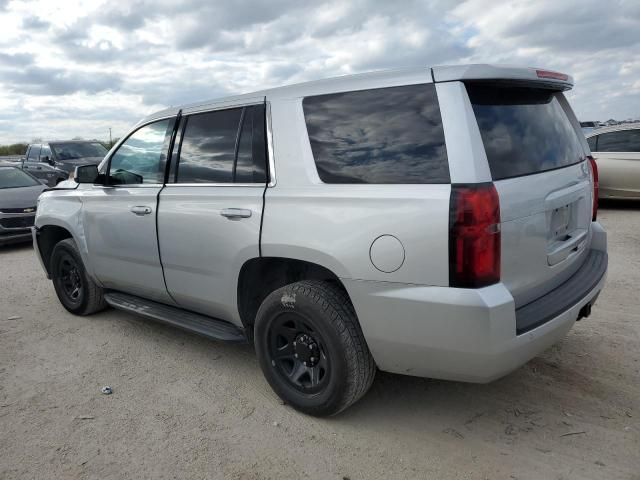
(13, 149)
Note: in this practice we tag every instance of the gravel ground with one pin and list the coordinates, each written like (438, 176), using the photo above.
(186, 407)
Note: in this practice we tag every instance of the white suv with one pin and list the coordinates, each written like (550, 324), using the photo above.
(437, 222)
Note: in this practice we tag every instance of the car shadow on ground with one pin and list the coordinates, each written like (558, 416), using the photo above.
(614, 204)
(16, 247)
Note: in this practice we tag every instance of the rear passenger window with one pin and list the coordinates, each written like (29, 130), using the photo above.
(385, 135)
(252, 152)
(622, 141)
(224, 146)
(592, 141)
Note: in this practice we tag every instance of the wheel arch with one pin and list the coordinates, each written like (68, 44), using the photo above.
(260, 276)
(47, 237)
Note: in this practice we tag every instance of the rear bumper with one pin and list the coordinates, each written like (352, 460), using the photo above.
(466, 334)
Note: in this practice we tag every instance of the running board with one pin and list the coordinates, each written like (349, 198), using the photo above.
(193, 322)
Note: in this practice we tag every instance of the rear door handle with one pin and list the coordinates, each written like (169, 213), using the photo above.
(141, 210)
(235, 213)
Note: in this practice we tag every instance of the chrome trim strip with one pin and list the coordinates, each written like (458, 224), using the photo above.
(256, 185)
(272, 167)
(222, 105)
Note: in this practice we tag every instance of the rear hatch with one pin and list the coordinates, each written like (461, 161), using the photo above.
(540, 170)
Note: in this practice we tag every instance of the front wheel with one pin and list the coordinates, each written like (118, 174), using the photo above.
(77, 292)
(311, 348)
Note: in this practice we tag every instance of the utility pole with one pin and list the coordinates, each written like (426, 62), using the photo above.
(110, 142)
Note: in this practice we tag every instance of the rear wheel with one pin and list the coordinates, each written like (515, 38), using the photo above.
(77, 292)
(311, 348)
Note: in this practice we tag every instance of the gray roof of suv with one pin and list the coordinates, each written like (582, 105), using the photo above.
(361, 81)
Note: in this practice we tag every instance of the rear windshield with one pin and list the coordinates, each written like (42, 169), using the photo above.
(384, 135)
(524, 130)
(72, 151)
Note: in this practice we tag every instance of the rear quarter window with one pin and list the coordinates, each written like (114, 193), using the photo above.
(621, 141)
(386, 135)
(524, 130)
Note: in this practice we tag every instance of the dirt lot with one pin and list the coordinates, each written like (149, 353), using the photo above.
(186, 407)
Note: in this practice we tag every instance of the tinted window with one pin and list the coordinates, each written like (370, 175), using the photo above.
(45, 151)
(34, 151)
(524, 130)
(251, 163)
(141, 158)
(70, 151)
(14, 178)
(208, 147)
(622, 141)
(592, 143)
(387, 135)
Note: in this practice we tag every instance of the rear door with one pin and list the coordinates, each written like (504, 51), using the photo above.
(539, 167)
(618, 157)
(210, 211)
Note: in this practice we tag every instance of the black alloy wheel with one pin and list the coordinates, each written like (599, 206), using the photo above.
(297, 352)
(76, 290)
(69, 278)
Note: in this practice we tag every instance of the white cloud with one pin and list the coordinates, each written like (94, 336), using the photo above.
(74, 68)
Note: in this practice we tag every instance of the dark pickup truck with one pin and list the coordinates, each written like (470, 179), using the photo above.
(54, 161)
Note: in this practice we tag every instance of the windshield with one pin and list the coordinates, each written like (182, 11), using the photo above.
(14, 177)
(70, 151)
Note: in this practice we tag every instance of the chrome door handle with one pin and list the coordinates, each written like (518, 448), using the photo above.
(141, 210)
(235, 213)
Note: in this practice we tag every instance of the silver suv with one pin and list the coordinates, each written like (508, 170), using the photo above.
(438, 222)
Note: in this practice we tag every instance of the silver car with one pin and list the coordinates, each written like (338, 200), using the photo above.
(438, 222)
(617, 153)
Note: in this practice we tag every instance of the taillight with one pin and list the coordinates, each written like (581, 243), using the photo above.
(596, 187)
(474, 236)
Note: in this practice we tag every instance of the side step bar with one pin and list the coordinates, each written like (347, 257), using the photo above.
(193, 322)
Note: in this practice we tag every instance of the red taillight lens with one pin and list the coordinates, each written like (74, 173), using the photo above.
(474, 236)
(596, 187)
(553, 75)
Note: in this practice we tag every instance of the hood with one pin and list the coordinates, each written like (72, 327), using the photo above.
(20, 197)
(70, 164)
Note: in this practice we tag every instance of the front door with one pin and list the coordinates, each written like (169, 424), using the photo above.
(210, 211)
(120, 217)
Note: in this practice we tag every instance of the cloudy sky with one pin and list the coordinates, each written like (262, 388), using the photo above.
(76, 68)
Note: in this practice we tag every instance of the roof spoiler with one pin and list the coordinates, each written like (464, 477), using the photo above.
(503, 73)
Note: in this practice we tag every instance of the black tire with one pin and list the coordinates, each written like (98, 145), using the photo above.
(306, 317)
(77, 292)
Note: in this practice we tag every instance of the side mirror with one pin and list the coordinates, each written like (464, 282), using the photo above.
(48, 160)
(85, 174)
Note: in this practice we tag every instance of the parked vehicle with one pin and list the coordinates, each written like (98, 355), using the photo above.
(617, 153)
(432, 222)
(54, 161)
(19, 193)
(588, 126)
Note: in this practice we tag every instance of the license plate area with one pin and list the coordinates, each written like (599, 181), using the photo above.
(562, 223)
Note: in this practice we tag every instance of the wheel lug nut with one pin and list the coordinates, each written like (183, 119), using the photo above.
(313, 359)
(304, 363)
(295, 355)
